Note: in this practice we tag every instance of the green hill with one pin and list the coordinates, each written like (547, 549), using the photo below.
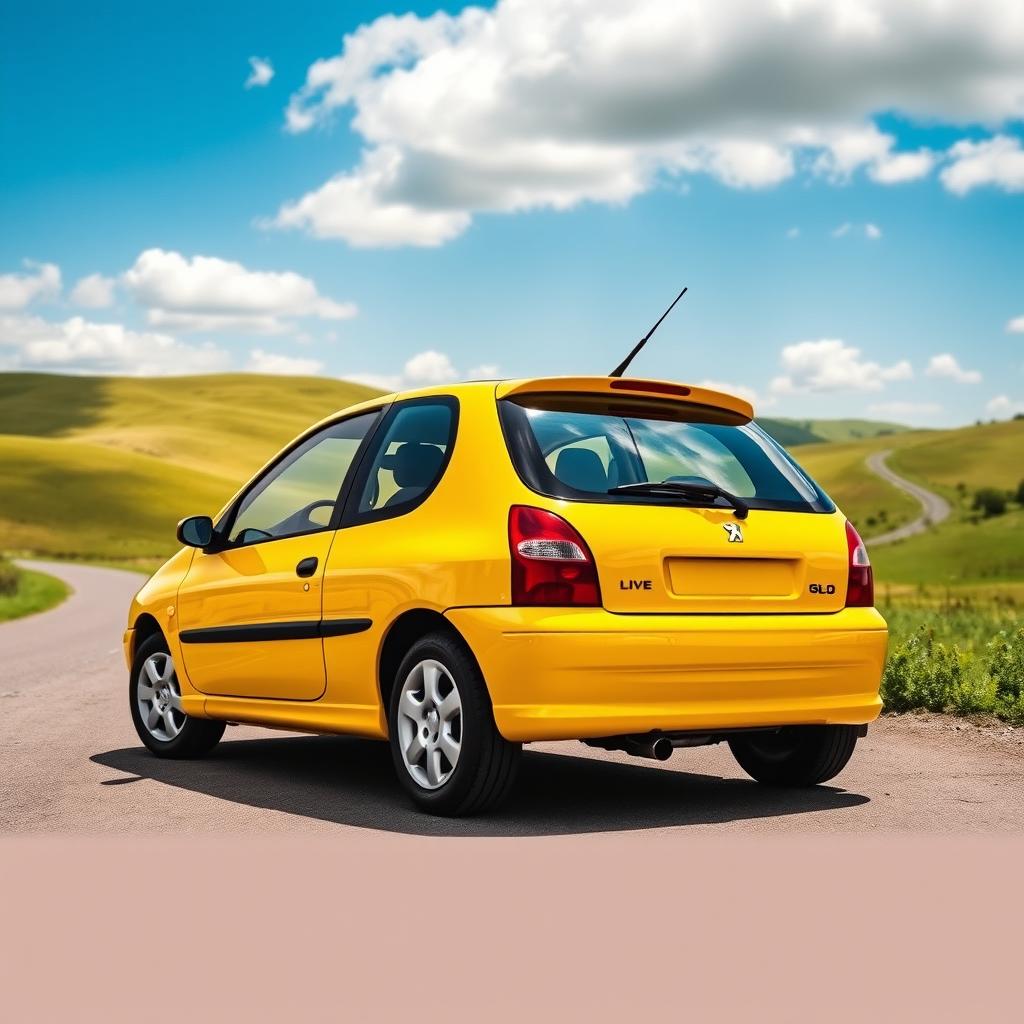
(103, 467)
(964, 549)
(985, 455)
(790, 432)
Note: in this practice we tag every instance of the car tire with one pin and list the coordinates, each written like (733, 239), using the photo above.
(797, 755)
(154, 699)
(448, 753)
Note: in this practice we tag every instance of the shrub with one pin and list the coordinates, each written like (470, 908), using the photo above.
(924, 673)
(990, 501)
(1006, 671)
(9, 576)
(1020, 493)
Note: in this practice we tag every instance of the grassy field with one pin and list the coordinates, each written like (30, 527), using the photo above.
(991, 454)
(967, 549)
(104, 467)
(23, 592)
(956, 652)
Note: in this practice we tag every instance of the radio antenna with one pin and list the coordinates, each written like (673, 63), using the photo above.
(621, 368)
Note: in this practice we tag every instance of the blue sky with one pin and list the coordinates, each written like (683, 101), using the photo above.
(521, 192)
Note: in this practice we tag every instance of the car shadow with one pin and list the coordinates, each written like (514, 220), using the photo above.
(352, 782)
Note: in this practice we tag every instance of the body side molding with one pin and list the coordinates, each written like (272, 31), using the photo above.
(264, 631)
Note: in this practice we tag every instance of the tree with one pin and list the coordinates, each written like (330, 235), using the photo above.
(990, 501)
(1020, 493)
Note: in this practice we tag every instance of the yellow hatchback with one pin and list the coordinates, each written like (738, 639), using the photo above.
(463, 569)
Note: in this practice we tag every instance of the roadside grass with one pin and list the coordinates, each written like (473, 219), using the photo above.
(24, 592)
(956, 653)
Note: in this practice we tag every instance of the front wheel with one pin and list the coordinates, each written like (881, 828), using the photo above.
(447, 751)
(804, 755)
(155, 701)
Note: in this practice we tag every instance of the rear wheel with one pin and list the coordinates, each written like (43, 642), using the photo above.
(155, 700)
(796, 756)
(447, 751)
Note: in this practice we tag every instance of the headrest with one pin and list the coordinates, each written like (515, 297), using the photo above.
(581, 468)
(415, 464)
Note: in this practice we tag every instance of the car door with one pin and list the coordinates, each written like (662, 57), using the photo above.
(383, 558)
(250, 609)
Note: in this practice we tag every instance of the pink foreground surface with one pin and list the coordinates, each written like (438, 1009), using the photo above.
(370, 927)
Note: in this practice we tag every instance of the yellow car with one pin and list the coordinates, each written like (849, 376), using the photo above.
(461, 570)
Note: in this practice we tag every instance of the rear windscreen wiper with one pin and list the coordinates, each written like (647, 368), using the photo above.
(676, 488)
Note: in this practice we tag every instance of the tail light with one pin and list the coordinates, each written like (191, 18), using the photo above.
(551, 563)
(860, 587)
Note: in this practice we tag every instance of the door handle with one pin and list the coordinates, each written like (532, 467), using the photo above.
(306, 567)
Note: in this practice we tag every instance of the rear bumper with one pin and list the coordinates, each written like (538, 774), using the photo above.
(571, 674)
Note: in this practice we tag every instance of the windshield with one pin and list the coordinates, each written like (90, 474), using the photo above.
(594, 455)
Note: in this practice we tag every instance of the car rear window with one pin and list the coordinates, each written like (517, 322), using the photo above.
(565, 449)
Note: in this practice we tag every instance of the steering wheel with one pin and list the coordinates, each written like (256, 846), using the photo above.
(306, 513)
(300, 521)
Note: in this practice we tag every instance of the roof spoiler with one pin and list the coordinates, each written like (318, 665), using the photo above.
(739, 410)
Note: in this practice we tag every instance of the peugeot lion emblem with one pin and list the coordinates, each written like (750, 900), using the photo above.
(734, 531)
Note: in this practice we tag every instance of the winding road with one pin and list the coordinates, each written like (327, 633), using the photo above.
(934, 508)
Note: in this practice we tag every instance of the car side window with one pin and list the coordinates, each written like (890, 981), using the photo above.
(409, 458)
(300, 493)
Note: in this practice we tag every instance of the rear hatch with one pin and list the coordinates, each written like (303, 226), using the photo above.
(770, 541)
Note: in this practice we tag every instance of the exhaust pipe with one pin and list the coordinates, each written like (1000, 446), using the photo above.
(658, 748)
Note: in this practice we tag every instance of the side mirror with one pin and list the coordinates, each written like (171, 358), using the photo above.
(196, 531)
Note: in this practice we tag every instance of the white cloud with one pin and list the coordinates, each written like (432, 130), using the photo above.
(793, 233)
(1002, 407)
(829, 364)
(740, 390)
(899, 411)
(870, 231)
(485, 371)
(896, 168)
(430, 367)
(41, 282)
(945, 365)
(356, 207)
(82, 346)
(205, 293)
(273, 362)
(552, 103)
(998, 161)
(260, 73)
(94, 292)
(1016, 325)
(212, 322)
(423, 370)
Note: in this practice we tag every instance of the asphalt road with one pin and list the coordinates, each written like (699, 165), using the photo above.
(71, 763)
(934, 508)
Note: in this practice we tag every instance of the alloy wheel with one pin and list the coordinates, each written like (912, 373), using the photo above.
(159, 697)
(430, 724)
